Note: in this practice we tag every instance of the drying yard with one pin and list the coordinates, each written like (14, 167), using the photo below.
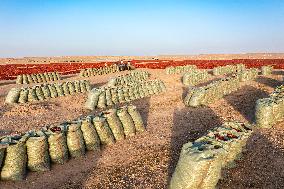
(148, 159)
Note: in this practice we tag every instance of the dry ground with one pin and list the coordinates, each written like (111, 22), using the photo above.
(147, 160)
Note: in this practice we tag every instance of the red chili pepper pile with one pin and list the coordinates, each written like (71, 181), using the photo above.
(10, 71)
(55, 129)
(208, 64)
(231, 135)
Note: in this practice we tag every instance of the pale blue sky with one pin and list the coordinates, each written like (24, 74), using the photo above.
(139, 27)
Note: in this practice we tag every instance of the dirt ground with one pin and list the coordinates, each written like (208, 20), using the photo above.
(147, 160)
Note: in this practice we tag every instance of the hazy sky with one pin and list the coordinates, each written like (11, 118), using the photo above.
(139, 27)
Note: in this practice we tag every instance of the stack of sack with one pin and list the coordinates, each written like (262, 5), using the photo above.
(266, 70)
(46, 91)
(99, 71)
(222, 70)
(129, 79)
(200, 162)
(248, 74)
(195, 77)
(217, 89)
(108, 96)
(180, 69)
(36, 150)
(37, 78)
(270, 110)
(211, 92)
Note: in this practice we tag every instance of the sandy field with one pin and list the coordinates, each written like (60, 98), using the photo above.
(83, 59)
(147, 160)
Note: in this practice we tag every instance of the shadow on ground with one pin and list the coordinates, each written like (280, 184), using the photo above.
(67, 76)
(97, 85)
(115, 175)
(7, 83)
(188, 125)
(278, 72)
(269, 82)
(244, 101)
(75, 172)
(260, 167)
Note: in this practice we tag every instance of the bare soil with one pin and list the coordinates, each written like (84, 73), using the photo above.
(147, 160)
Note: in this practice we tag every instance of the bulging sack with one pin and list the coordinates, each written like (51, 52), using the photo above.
(46, 77)
(87, 85)
(213, 175)
(13, 96)
(32, 97)
(38, 78)
(19, 79)
(14, 165)
(83, 88)
(75, 140)
(23, 95)
(102, 100)
(59, 89)
(46, 91)
(53, 92)
(93, 98)
(191, 168)
(264, 113)
(25, 79)
(37, 150)
(50, 76)
(77, 86)
(34, 78)
(196, 97)
(108, 98)
(103, 130)
(266, 70)
(91, 138)
(120, 95)
(71, 88)
(57, 141)
(39, 93)
(42, 78)
(114, 96)
(137, 119)
(127, 122)
(114, 123)
(65, 88)
(30, 79)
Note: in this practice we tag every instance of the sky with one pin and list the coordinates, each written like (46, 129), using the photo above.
(139, 27)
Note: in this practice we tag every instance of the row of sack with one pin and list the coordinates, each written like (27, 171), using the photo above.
(36, 150)
(228, 69)
(248, 74)
(180, 69)
(99, 71)
(46, 91)
(270, 110)
(108, 96)
(217, 89)
(195, 77)
(37, 78)
(266, 70)
(200, 162)
(131, 78)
